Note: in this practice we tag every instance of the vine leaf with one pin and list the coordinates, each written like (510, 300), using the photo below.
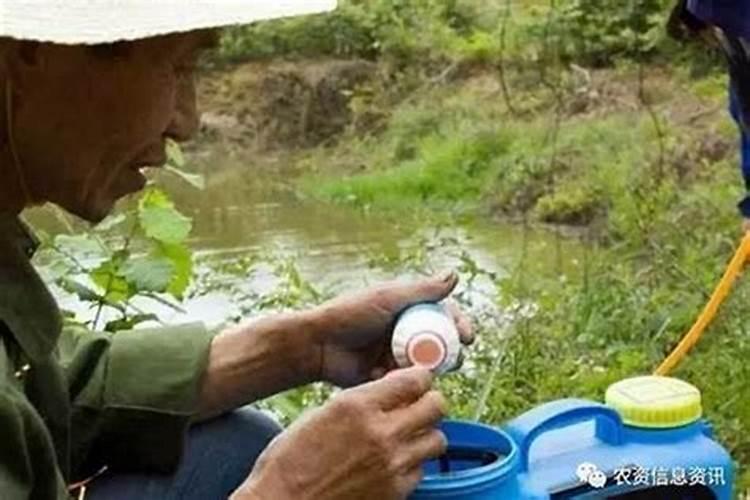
(78, 289)
(110, 223)
(149, 274)
(174, 154)
(182, 271)
(160, 220)
(108, 277)
(80, 245)
(196, 180)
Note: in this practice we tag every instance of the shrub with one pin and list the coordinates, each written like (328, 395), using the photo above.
(597, 32)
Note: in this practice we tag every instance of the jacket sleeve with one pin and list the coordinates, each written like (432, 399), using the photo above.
(26, 452)
(133, 394)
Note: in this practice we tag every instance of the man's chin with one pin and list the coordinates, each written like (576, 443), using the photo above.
(93, 212)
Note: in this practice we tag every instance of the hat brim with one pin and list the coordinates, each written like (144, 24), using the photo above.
(106, 21)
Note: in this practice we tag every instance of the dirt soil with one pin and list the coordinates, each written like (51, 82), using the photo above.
(280, 105)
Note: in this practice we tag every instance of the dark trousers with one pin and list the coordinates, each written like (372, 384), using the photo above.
(219, 456)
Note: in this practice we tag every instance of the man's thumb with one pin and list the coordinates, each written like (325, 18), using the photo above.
(437, 288)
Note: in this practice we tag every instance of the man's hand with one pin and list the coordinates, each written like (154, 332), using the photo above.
(345, 341)
(746, 225)
(368, 442)
(355, 330)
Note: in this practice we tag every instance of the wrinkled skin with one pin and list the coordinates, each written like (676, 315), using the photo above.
(84, 120)
(80, 124)
(355, 349)
(385, 431)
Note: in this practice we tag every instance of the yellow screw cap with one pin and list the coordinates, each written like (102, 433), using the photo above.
(655, 402)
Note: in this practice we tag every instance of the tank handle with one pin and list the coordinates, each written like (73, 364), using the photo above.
(525, 428)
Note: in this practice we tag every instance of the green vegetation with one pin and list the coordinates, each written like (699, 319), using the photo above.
(138, 253)
(567, 115)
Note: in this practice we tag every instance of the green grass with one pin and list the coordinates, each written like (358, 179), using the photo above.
(657, 204)
(446, 170)
(466, 151)
(660, 213)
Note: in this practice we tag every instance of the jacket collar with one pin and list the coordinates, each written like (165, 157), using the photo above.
(26, 306)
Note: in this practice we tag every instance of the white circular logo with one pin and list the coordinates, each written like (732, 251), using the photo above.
(585, 470)
(589, 473)
(597, 479)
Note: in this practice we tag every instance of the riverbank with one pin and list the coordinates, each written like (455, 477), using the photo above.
(642, 164)
(562, 156)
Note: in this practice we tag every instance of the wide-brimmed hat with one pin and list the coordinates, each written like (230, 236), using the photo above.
(104, 21)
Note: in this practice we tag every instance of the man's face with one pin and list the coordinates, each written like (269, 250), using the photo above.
(86, 120)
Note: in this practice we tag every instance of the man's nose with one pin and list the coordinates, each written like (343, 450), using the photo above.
(186, 118)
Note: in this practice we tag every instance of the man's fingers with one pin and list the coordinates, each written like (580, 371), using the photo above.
(423, 414)
(465, 329)
(429, 445)
(410, 481)
(398, 388)
(432, 289)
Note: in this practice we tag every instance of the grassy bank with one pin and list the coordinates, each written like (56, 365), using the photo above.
(545, 116)
(656, 205)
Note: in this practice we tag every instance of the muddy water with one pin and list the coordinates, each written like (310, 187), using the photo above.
(242, 212)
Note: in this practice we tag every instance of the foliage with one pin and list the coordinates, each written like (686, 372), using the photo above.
(420, 32)
(654, 191)
(575, 202)
(597, 32)
(446, 169)
(356, 28)
(141, 252)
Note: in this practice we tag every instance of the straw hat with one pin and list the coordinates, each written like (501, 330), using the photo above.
(103, 21)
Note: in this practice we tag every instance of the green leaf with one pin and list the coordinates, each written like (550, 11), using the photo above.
(182, 262)
(114, 286)
(160, 220)
(80, 290)
(287, 405)
(174, 154)
(198, 181)
(54, 267)
(80, 246)
(149, 274)
(110, 222)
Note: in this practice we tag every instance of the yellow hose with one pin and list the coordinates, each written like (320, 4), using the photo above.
(734, 269)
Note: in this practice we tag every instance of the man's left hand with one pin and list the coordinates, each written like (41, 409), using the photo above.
(355, 329)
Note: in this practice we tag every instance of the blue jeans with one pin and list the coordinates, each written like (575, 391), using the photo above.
(218, 457)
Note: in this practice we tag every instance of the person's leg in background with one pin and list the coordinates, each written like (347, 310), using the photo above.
(219, 455)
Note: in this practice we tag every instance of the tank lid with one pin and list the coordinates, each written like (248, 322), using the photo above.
(655, 402)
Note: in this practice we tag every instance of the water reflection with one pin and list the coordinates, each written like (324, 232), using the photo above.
(243, 212)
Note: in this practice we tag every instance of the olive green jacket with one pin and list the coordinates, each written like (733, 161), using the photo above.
(72, 400)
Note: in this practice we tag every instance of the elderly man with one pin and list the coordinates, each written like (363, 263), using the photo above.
(90, 90)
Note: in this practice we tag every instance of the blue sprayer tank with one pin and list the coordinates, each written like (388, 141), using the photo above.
(649, 441)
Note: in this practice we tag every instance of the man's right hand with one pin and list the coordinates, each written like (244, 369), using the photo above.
(368, 442)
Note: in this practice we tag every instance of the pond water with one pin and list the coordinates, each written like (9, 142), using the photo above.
(243, 212)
